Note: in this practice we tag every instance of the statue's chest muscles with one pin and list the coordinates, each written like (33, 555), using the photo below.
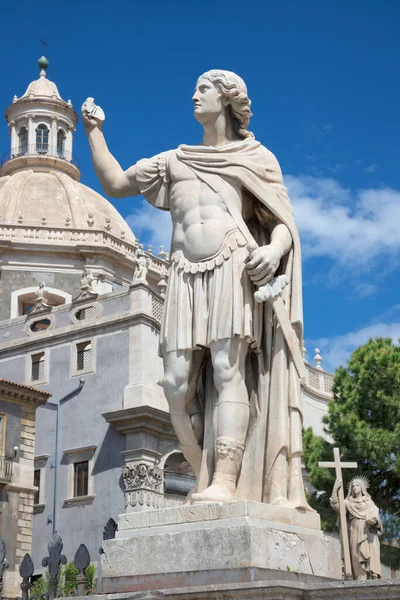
(192, 198)
(199, 214)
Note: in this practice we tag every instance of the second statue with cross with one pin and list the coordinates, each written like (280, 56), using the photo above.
(360, 523)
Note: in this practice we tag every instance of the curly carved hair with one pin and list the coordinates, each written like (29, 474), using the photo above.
(235, 91)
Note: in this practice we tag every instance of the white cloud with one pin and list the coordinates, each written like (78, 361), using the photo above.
(364, 289)
(352, 228)
(336, 351)
(151, 226)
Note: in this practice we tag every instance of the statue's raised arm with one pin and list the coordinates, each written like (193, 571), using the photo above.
(115, 181)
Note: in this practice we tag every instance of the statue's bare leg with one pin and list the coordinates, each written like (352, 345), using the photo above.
(232, 418)
(179, 384)
(193, 406)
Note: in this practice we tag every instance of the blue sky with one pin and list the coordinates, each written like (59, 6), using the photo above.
(323, 76)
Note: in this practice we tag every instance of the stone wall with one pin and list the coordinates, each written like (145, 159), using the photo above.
(17, 497)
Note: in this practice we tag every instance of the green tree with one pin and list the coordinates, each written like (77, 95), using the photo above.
(364, 422)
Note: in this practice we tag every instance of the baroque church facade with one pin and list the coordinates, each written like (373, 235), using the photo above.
(80, 311)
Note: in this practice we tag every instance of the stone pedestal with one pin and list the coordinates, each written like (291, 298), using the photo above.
(279, 586)
(206, 543)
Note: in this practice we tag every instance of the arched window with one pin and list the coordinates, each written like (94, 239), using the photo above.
(42, 139)
(23, 141)
(61, 143)
(23, 300)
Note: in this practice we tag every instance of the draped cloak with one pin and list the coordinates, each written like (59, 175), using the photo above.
(274, 389)
(364, 538)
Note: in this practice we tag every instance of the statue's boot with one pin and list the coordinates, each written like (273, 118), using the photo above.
(228, 460)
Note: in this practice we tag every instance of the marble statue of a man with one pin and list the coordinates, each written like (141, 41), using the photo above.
(230, 381)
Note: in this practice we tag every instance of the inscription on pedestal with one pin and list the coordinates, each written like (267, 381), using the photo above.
(217, 511)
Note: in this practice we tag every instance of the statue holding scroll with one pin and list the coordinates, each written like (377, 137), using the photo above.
(231, 378)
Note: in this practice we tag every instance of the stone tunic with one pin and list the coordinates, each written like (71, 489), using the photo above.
(207, 300)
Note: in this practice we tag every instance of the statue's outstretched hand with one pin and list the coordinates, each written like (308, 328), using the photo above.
(92, 115)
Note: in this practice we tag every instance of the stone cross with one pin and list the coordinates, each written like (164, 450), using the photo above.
(338, 466)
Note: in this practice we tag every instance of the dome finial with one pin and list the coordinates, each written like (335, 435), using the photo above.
(43, 64)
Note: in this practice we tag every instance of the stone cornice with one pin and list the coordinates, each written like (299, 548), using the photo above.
(71, 332)
(56, 103)
(143, 419)
(11, 391)
(57, 236)
(80, 450)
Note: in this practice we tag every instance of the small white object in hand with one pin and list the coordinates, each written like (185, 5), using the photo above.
(92, 110)
(272, 289)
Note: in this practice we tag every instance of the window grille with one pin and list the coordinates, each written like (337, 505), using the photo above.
(84, 356)
(41, 325)
(23, 141)
(36, 483)
(81, 478)
(90, 312)
(38, 367)
(42, 139)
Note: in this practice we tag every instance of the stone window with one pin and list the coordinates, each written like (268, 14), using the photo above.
(23, 141)
(42, 139)
(36, 483)
(39, 481)
(89, 312)
(23, 300)
(26, 307)
(41, 325)
(84, 356)
(2, 434)
(38, 370)
(61, 137)
(81, 478)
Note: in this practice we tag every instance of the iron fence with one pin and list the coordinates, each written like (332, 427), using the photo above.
(53, 562)
(40, 149)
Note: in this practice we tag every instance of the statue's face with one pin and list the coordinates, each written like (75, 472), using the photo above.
(208, 101)
(357, 489)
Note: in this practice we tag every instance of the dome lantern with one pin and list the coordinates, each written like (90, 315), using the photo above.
(41, 129)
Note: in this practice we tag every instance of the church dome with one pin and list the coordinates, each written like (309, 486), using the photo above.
(52, 200)
(41, 88)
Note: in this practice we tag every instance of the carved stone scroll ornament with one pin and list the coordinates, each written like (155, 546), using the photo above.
(143, 486)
